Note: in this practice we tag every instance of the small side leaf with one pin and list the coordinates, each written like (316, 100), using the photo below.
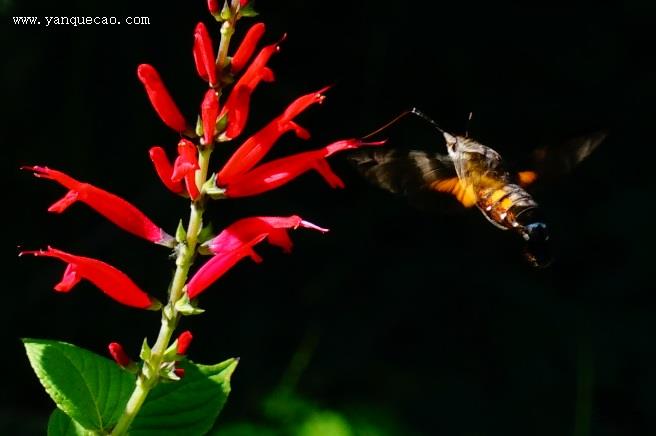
(89, 388)
(189, 406)
(60, 424)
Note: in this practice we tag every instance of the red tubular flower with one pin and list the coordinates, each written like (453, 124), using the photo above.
(185, 167)
(243, 3)
(219, 265)
(238, 102)
(164, 169)
(180, 372)
(258, 145)
(160, 98)
(273, 174)
(119, 355)
(213, 6)
(248, 229)
(113, 282)
(184, 340)
(247, 47)
(237, 241)
(204, 54)
(111, 206)
(209, 113)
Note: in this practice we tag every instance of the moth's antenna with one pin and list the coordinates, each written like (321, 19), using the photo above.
(469, 118)
(425, 117)
(413, 111)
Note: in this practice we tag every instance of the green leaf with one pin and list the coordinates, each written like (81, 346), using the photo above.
(60, 424)
(91, 389)
(189, 406)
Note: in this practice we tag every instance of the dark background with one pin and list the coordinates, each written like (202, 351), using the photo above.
(398, 321)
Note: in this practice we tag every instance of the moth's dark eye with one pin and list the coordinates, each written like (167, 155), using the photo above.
(538, 249)
(537, 232)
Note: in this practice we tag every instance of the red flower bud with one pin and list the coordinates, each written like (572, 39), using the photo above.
(237, 241)
(184, 340)
(113, 282)
(213, 6)
(243, 3)
(111, 206)
(209, 113)
(180, 372)
(275, 173)
(247, 47)
(119, 355)
(204, 54)
(258, 145)
(160, 98)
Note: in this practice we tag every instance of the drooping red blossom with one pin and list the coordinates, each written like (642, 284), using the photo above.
(247, 47)
(257, 146)
(161, 99)
(185, 167)
(209, 113)
(184, 340)
(204, 54)
(237, 241)
(218, 265)
(213, 6)
(164, 169)
(119, 355)
(111, 206)
(277, 172)
(238, 103)
(113, 282)
(248, 229)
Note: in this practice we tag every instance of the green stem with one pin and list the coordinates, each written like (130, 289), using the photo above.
(170, 317)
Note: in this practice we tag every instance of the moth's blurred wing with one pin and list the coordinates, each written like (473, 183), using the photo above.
(551, 162)
(420, 175)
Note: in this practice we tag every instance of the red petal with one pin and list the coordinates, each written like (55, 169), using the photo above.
(164, 169)
(280, 171)
(247, 47)
(257, 146)
(114, 283)
(185, 167)
(238, 102)
(160, 98)
(213, 6)
(209, 113)
(204, 51)
(275, 229)
(218, 265)
(111, 206)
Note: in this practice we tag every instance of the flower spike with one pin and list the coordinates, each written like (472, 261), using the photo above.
(112, 207)
(247, 47)
(113, 282)
(275, 173)
(161, 99)
(257, 146)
